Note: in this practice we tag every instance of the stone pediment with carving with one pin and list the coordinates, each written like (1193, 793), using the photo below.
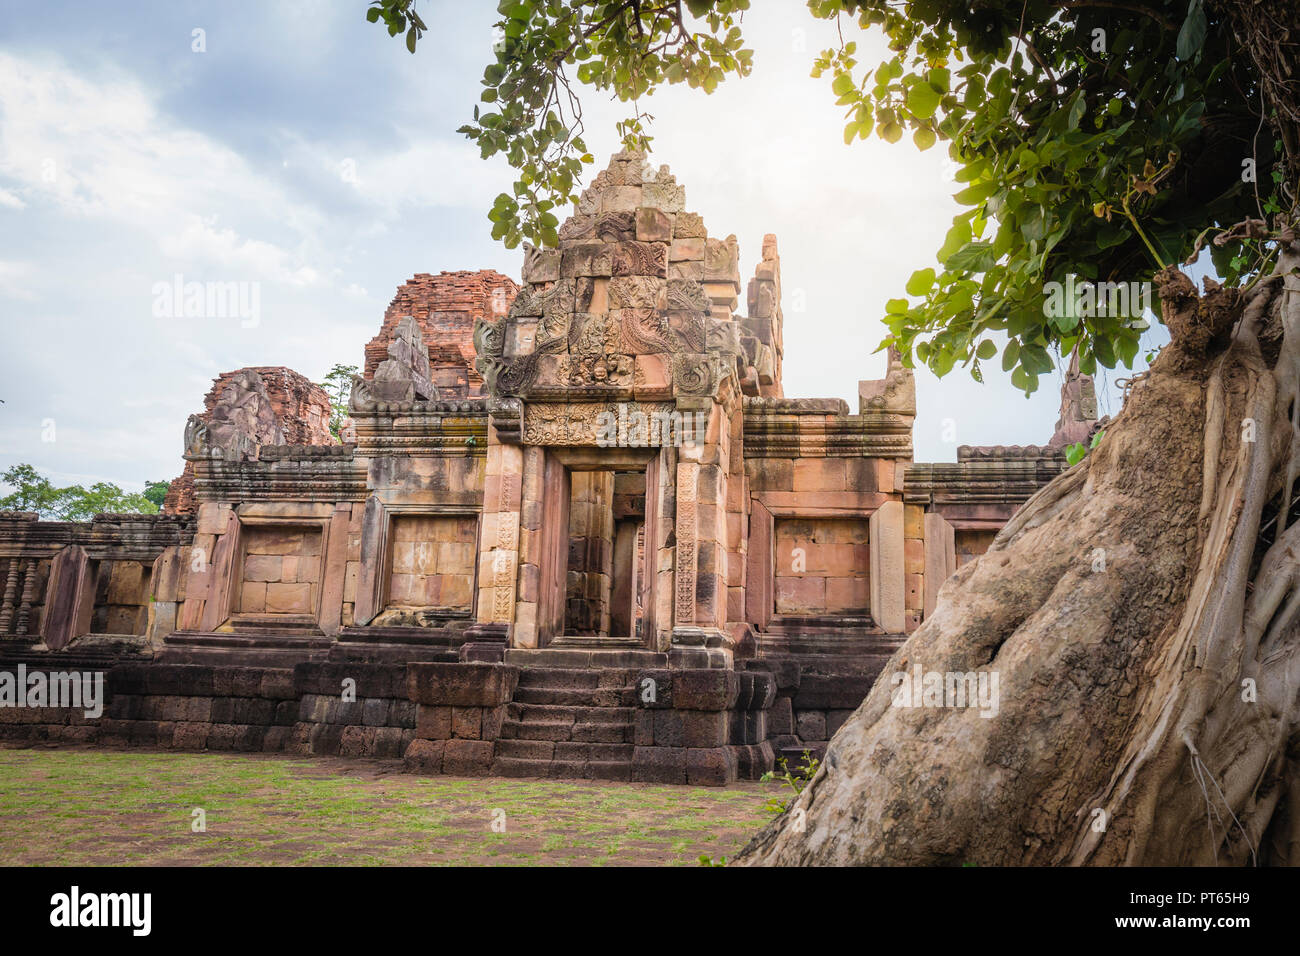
(635, 304)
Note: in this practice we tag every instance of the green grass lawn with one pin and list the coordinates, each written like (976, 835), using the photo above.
(95, 807)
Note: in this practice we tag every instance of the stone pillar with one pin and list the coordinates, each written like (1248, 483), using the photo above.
(10, 602)
(167, 586)
(688, 473)
(913, 566)
(28, 591)
(888, 596)
(499, 546)
(622, 613)
(70, 597)
(940, 557)
(591, 541)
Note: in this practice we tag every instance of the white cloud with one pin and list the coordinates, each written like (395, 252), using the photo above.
(202, 240)
(12, 276)
(99, 148)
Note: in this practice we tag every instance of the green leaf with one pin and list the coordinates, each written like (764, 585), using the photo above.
(921, 282)
(958, 236)
(1077, 109)
(896, 306)
(1192, 35)
(922, 100)
(1035, 359)
(986, 350)
(972, 257)
(1010, 355)
(976, 193)
(924, 138)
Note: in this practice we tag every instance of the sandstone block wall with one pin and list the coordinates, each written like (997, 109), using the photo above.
(705, 727)
(460, 709)
(250, 709)
(822, 567)
(432, 560)
(281, 570)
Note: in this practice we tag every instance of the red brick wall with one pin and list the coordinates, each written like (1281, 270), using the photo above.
(446, 305)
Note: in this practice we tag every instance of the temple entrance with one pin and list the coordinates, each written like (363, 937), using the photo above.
(597, 589)
(606, 556)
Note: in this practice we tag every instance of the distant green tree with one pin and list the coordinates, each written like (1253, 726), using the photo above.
(32, 491)
(338, 385)
(156, 491)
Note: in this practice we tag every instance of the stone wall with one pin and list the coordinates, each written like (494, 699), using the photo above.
(445, 306)
(432, 562)
(699, 727)
(822, 566)
(63, 580)
(300, 710)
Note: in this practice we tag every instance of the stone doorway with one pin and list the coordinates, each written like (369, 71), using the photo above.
(606, 555)
(597, 592)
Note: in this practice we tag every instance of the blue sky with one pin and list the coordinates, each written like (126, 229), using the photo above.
(307, 152)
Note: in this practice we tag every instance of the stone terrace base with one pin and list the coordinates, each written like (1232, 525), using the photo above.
(630, 722)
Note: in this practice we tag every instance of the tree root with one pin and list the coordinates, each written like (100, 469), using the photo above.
(1142, 706)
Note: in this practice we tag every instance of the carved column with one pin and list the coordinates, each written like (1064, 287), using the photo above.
(29, 596)
(10, 596)
(687, 544)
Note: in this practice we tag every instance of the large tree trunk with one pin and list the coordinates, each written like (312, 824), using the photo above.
(1140, 613)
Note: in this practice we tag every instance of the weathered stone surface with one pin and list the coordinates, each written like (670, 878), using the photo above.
(461, 685)
(405, 375)
(245, 409)
(653, 225)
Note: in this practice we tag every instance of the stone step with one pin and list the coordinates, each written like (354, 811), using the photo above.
(563, 750)
(574, 658)
(525, 749)
(519, 767)
(515, 730)
(581, 733)
(582, 697)
(569, 713)
(589, 678)
(600, 752)
(562, 769)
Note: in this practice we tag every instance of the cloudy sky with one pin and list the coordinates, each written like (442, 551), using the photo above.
(306, 152)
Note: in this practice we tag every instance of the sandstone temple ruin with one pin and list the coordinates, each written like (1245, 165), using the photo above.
(574, 528)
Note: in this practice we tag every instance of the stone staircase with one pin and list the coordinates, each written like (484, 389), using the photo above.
(569, 723)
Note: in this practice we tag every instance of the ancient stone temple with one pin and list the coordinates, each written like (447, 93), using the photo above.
(574, 528)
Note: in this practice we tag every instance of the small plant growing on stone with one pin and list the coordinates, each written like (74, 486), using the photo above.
(1078, 451)
(706, 860)
(796, 780)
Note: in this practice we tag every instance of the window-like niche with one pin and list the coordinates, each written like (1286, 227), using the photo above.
(431, 562)
(121, 597)
(282, 570)
(821, 567)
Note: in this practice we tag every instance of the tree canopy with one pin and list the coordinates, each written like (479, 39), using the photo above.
(32, 491)
(1095, 142)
